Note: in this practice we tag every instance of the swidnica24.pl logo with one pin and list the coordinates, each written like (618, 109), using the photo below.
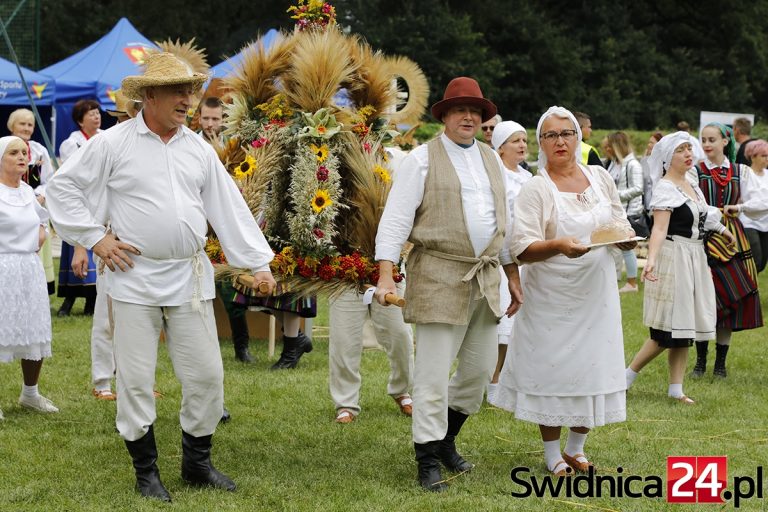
(689, 480)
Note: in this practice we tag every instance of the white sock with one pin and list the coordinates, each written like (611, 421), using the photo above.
(552, 453)
(575, 445)
(491, 392)
(675, 390)
(29, 391)
(631, 376)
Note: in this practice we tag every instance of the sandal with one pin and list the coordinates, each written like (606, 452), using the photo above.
(344, 416)
(561, 469)
(103, 394)
(575, 463)
(683, 400)
(405, 403)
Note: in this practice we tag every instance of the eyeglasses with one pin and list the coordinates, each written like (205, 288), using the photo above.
(553, 136)
(487, 128)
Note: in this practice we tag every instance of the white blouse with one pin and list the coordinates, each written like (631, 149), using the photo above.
(20, 218)
(536, 212)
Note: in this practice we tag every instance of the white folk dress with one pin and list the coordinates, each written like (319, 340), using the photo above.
(25, 315)
(565, 363)
(515, 181)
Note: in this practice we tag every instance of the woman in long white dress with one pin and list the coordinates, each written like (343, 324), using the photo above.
(511, 143)
(25, 315)
(565, 363)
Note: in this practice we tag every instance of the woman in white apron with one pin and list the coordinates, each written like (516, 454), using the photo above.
(565, 364)
(679, 303)
(511, 142)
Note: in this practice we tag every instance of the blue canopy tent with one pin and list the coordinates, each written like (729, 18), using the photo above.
(13, 95)
(96, 72)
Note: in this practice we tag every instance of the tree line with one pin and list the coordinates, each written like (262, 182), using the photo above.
(640, 64)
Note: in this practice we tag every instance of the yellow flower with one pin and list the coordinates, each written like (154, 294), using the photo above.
(246, 168)
(321, 200)
(320, 152)
(382, 174)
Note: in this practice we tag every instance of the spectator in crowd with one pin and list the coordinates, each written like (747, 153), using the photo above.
(627, 174)
(488, 127)
(588, 154)
(78, 261)
(21, 123)
(212, 120)
(742, 132)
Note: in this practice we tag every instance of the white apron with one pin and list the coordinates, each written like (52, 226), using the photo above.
(565, 364)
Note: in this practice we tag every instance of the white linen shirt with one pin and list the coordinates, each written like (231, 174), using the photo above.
(407, 192)
(75, 141)
(157, 197)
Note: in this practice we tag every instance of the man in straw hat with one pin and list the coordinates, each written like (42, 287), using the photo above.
(159, 183)
(449, 201)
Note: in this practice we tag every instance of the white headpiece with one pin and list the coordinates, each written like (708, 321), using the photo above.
(562, 113)
(503, 131)
(661, 155)
(4, 141)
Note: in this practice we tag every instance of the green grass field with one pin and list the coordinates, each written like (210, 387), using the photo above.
(286, 453)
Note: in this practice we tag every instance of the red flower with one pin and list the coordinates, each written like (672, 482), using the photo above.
(260, 142)
(326, 273)
(318, 233)
(322, 173)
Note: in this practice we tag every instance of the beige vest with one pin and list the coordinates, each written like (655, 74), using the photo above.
(443, 272)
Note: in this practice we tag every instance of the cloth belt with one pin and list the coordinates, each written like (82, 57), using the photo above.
(482, 266)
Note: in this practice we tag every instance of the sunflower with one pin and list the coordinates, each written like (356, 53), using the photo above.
(246, 168)
(321, 200)
(321, 152)
(382, 173)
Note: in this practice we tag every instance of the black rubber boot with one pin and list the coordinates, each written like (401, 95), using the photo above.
(66, 307)
(721, 352)
(144, 454)
(90, 306)
(293, 349)
(701, 359)
(225, 416)
(429, 466)
(196, 467)
(447, 451)
(240, 338)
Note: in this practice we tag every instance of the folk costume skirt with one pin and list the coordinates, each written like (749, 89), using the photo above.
(25, 315)
(679, 307)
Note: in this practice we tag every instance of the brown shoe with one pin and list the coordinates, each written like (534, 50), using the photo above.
(581, 467)
(562, 469)
(405, 403)
(104, 394)
(344, 416)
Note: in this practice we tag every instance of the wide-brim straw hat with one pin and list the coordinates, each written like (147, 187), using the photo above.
(463, 91)
(161, 69)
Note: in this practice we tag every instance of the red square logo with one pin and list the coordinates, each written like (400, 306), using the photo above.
(696, 479)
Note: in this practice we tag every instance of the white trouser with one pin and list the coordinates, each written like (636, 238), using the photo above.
(102, 355)
(434, 389)
(346, 317)
(194, 351)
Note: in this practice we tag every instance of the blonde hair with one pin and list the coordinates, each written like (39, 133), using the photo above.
(16, 144)
(17, 115)
(619, 143)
